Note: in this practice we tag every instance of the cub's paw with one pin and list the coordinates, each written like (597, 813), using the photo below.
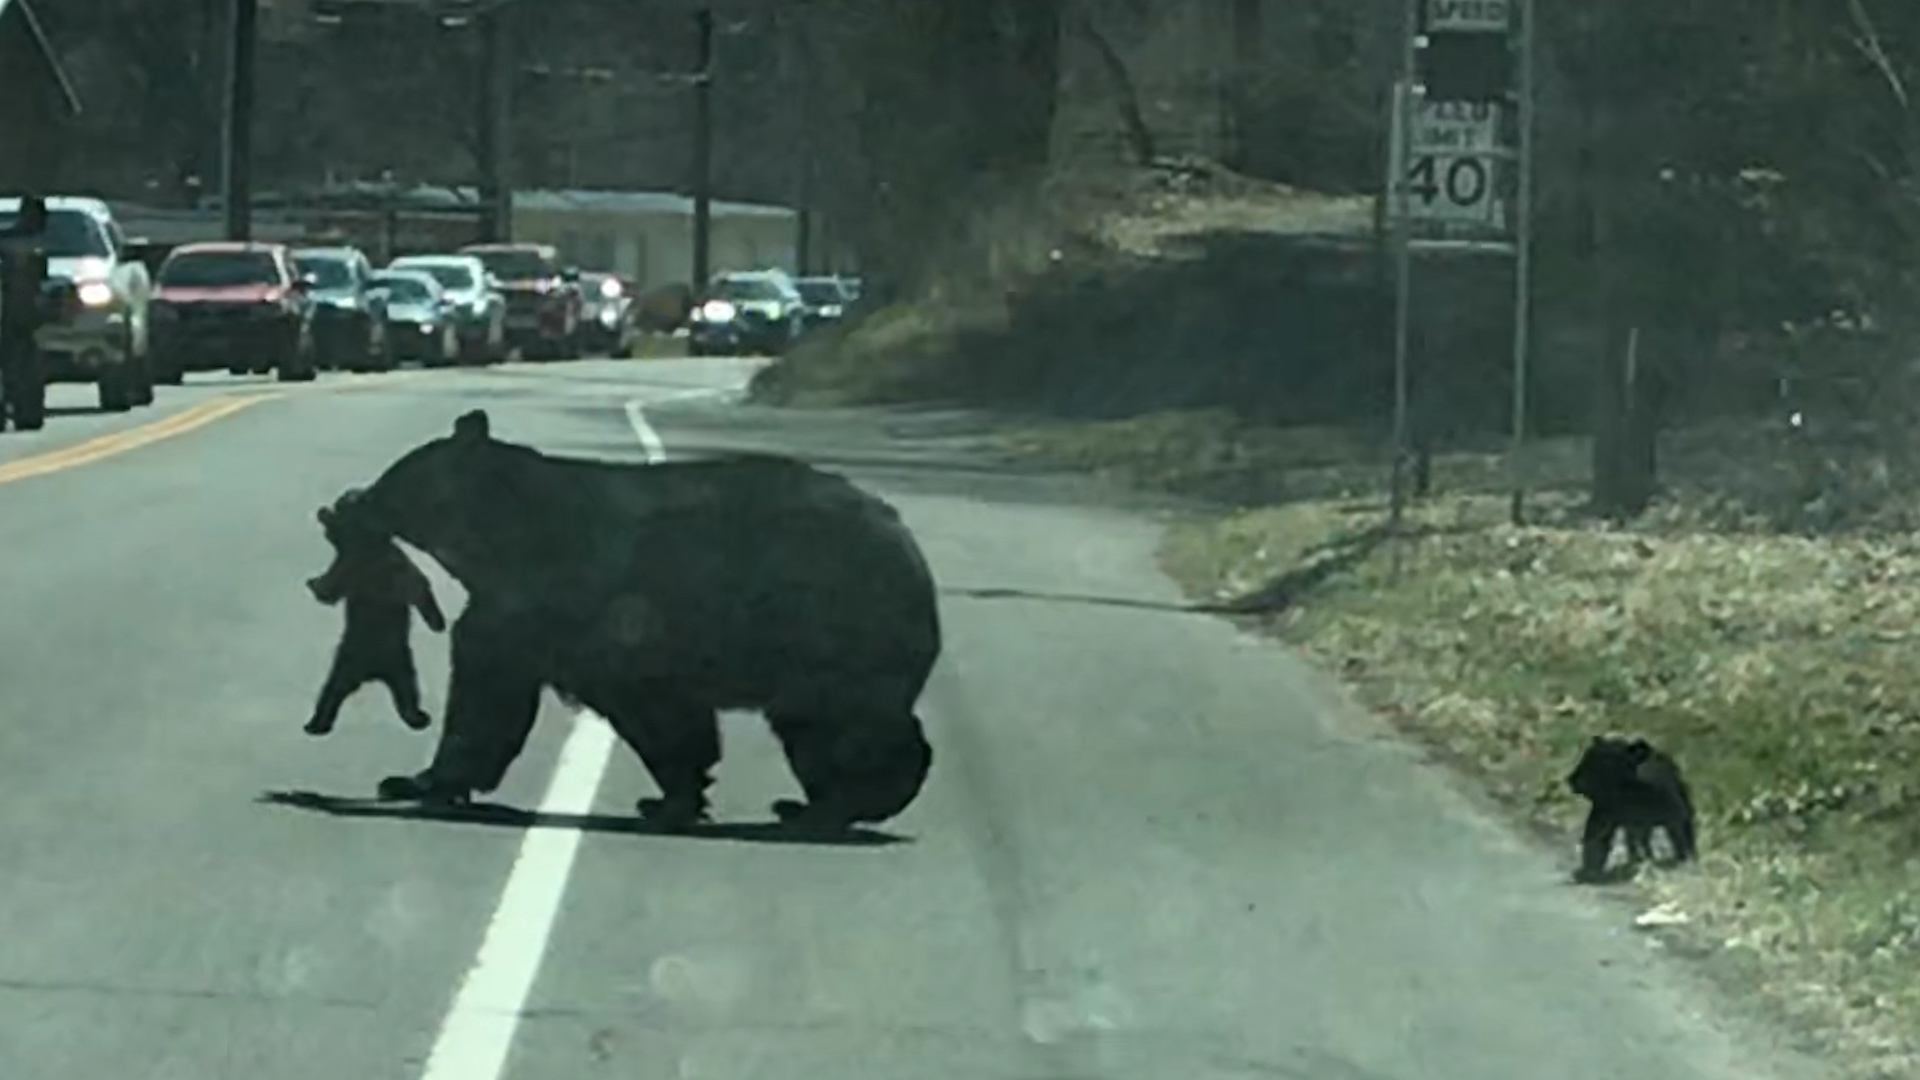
(318, 726)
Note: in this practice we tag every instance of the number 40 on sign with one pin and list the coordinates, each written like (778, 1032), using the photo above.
(1452, 154)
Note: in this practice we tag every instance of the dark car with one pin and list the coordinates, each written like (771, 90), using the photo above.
(826, 299)
(606, 324)
(241, 306)
(543, 298)
(422, 322)
(349, 329)
(755, 311)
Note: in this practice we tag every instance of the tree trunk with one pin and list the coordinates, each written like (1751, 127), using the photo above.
(1246, 31)
(1126, 98)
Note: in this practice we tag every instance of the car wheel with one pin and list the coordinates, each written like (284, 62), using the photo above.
(116, 388)
(139, 370)
(23, 389)
(143, 381)
(298, 363)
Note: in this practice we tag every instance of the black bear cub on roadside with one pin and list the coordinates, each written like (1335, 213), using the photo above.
(1631, 786)
(381, 589)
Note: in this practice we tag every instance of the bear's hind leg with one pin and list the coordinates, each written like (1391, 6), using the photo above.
(851, 773)
(678, 739)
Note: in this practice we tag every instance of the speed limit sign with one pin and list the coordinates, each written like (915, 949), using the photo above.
(1452, 162)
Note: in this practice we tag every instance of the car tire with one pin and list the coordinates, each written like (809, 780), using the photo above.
(27, 390)
(143, 381)
(299, 362)
(139, 371)
(116, 388)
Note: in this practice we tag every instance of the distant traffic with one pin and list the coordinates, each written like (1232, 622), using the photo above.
(126, 314)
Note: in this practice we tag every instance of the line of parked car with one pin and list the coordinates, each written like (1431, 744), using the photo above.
(132, 314)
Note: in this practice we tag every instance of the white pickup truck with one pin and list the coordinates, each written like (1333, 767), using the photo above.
(105, 340)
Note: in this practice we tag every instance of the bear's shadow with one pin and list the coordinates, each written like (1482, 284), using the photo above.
(500, 816)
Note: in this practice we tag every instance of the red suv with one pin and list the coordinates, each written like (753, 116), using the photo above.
(543, 298)
(241, 306)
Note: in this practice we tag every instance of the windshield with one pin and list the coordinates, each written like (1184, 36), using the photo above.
(750, 289)
(449, 275)
(327, 272)
(819, 292)
(521, 265)
(405, 290)
(70, 234)
(220, 269)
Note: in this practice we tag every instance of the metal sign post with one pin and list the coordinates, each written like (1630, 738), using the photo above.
(1405, 98)
(1522, 272)
(1461, 183)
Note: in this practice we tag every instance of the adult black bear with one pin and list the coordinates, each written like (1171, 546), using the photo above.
(1633, 787)
(381, 589)
(657, 595)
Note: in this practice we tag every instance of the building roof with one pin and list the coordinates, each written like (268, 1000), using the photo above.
(429, 197)
(24, 10)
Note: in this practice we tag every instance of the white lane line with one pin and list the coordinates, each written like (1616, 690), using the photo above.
(476, 1036)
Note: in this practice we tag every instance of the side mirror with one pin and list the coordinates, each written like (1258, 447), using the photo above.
(570, 275)
(304, 283)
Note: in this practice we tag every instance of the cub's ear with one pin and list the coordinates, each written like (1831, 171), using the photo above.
(1639, 750)
(472, 425)
(324, 515)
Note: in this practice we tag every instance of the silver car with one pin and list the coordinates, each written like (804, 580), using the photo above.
(106, 341)
(480, 309)
(420, 319)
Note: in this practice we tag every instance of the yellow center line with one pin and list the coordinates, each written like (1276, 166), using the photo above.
(192, 418)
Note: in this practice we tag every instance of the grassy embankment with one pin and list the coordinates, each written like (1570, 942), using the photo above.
(1779, 668)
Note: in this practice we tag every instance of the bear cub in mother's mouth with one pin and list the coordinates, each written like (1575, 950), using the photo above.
(381, 589)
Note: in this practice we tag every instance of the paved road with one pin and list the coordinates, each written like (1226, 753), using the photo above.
(1150, 849)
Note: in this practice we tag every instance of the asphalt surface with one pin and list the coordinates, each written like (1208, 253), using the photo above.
(1151, 848)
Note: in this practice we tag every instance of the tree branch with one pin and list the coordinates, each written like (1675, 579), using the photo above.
(1867, 40)
(1126, 98)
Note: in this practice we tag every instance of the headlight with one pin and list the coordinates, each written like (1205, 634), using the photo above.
(95, 293)
(609, 318)
(830, 311)
(610, 288)
(717, 311)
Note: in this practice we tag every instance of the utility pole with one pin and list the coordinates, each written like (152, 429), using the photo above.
(703, 151)
(237, 156)
(496, 125)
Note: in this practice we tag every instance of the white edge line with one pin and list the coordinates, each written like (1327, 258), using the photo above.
(476, 1037)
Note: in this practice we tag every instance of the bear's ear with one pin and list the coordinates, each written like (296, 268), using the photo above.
(472, 425)
(1639, 750)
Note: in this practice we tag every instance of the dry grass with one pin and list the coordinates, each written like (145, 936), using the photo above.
(1778, 668)
(1109, 225)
